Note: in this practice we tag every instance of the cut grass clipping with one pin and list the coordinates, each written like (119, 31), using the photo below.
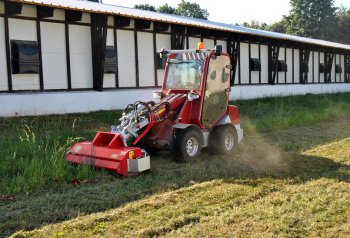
(294, 156)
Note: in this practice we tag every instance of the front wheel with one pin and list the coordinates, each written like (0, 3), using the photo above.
(186, 145)
(222, 140)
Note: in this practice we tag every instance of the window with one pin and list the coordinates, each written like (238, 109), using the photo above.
(255, 64)
(338, 69)
(282, 66)
(110, 61)
(24, 57)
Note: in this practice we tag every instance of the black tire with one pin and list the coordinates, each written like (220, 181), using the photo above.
(186, 145)
(222, 140)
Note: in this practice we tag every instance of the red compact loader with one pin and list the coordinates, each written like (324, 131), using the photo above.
(191, 112)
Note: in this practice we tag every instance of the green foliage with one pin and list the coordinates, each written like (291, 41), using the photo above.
(166, 9)
(309, 18)
(312, 18)
(188, 9)
(145, 7)
(343, 31)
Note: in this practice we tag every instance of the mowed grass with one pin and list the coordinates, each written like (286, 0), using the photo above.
(286, 148)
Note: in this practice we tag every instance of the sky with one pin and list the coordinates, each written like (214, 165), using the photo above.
(232, 11)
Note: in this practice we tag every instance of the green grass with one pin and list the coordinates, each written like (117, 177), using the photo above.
(290, 143)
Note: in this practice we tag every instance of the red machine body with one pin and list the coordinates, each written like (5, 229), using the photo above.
(192, 112)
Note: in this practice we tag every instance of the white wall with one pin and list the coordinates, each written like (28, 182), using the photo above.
(309, 75)
(244, 57)
(316, 67)
(109, 79)
(58, 14)
(3, 65)
(342, 64)
(2, 7)
(145, 58)
(333, 69)
(126, 58)
(208, 43)
(264, 64)
(281, 75)
(53, 43)
(254, 53)
(296, 66)
(61, 102)
(250, 92)
(80, 56)
(23, 30)
(193, 42)
(28, 10)
(223, 43)
(321, 61)
(162, 41)
(289, 62)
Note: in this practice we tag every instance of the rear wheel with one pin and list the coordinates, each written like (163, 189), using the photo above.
(186, 145)
(222, 140)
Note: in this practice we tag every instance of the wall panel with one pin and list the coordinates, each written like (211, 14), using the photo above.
(2, 8)
(162, 41)
(223, 43)
(321, 62)
(3, 65)
(109, 79)
(309, 75)
(193, 42)
(333, 69)
(126, 58)
(296, 66)
(208, 43)
(289, 62)
(28, 10)
(23, 30)
(53, 44)
(264, 64)
(80, 56)
(281, 75)
(316, 67)
(244, 57)
(343, 68)
(254, 53)
(146, 58)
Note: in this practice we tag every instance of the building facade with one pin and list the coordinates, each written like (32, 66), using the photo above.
(62, 56)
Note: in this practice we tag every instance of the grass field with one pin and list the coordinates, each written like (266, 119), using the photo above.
(289, 177)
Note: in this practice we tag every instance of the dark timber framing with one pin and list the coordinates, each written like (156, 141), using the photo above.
(273, 53)
(347, 68)
(328, 61)
(233, 48)
(98, 44)
(179, 35)
(304, 56)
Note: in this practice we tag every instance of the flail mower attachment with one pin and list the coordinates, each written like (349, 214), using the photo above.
(117, 150)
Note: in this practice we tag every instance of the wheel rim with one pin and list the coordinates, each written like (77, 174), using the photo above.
(192, 146)
(229, 141)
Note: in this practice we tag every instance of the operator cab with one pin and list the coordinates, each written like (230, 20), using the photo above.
(204, 75)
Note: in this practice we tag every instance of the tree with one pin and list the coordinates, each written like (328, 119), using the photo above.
(188, 9)
(145, 7)
(280, 26)
(343, 31)
(312, 18)
(166, 9)
(256, 25)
